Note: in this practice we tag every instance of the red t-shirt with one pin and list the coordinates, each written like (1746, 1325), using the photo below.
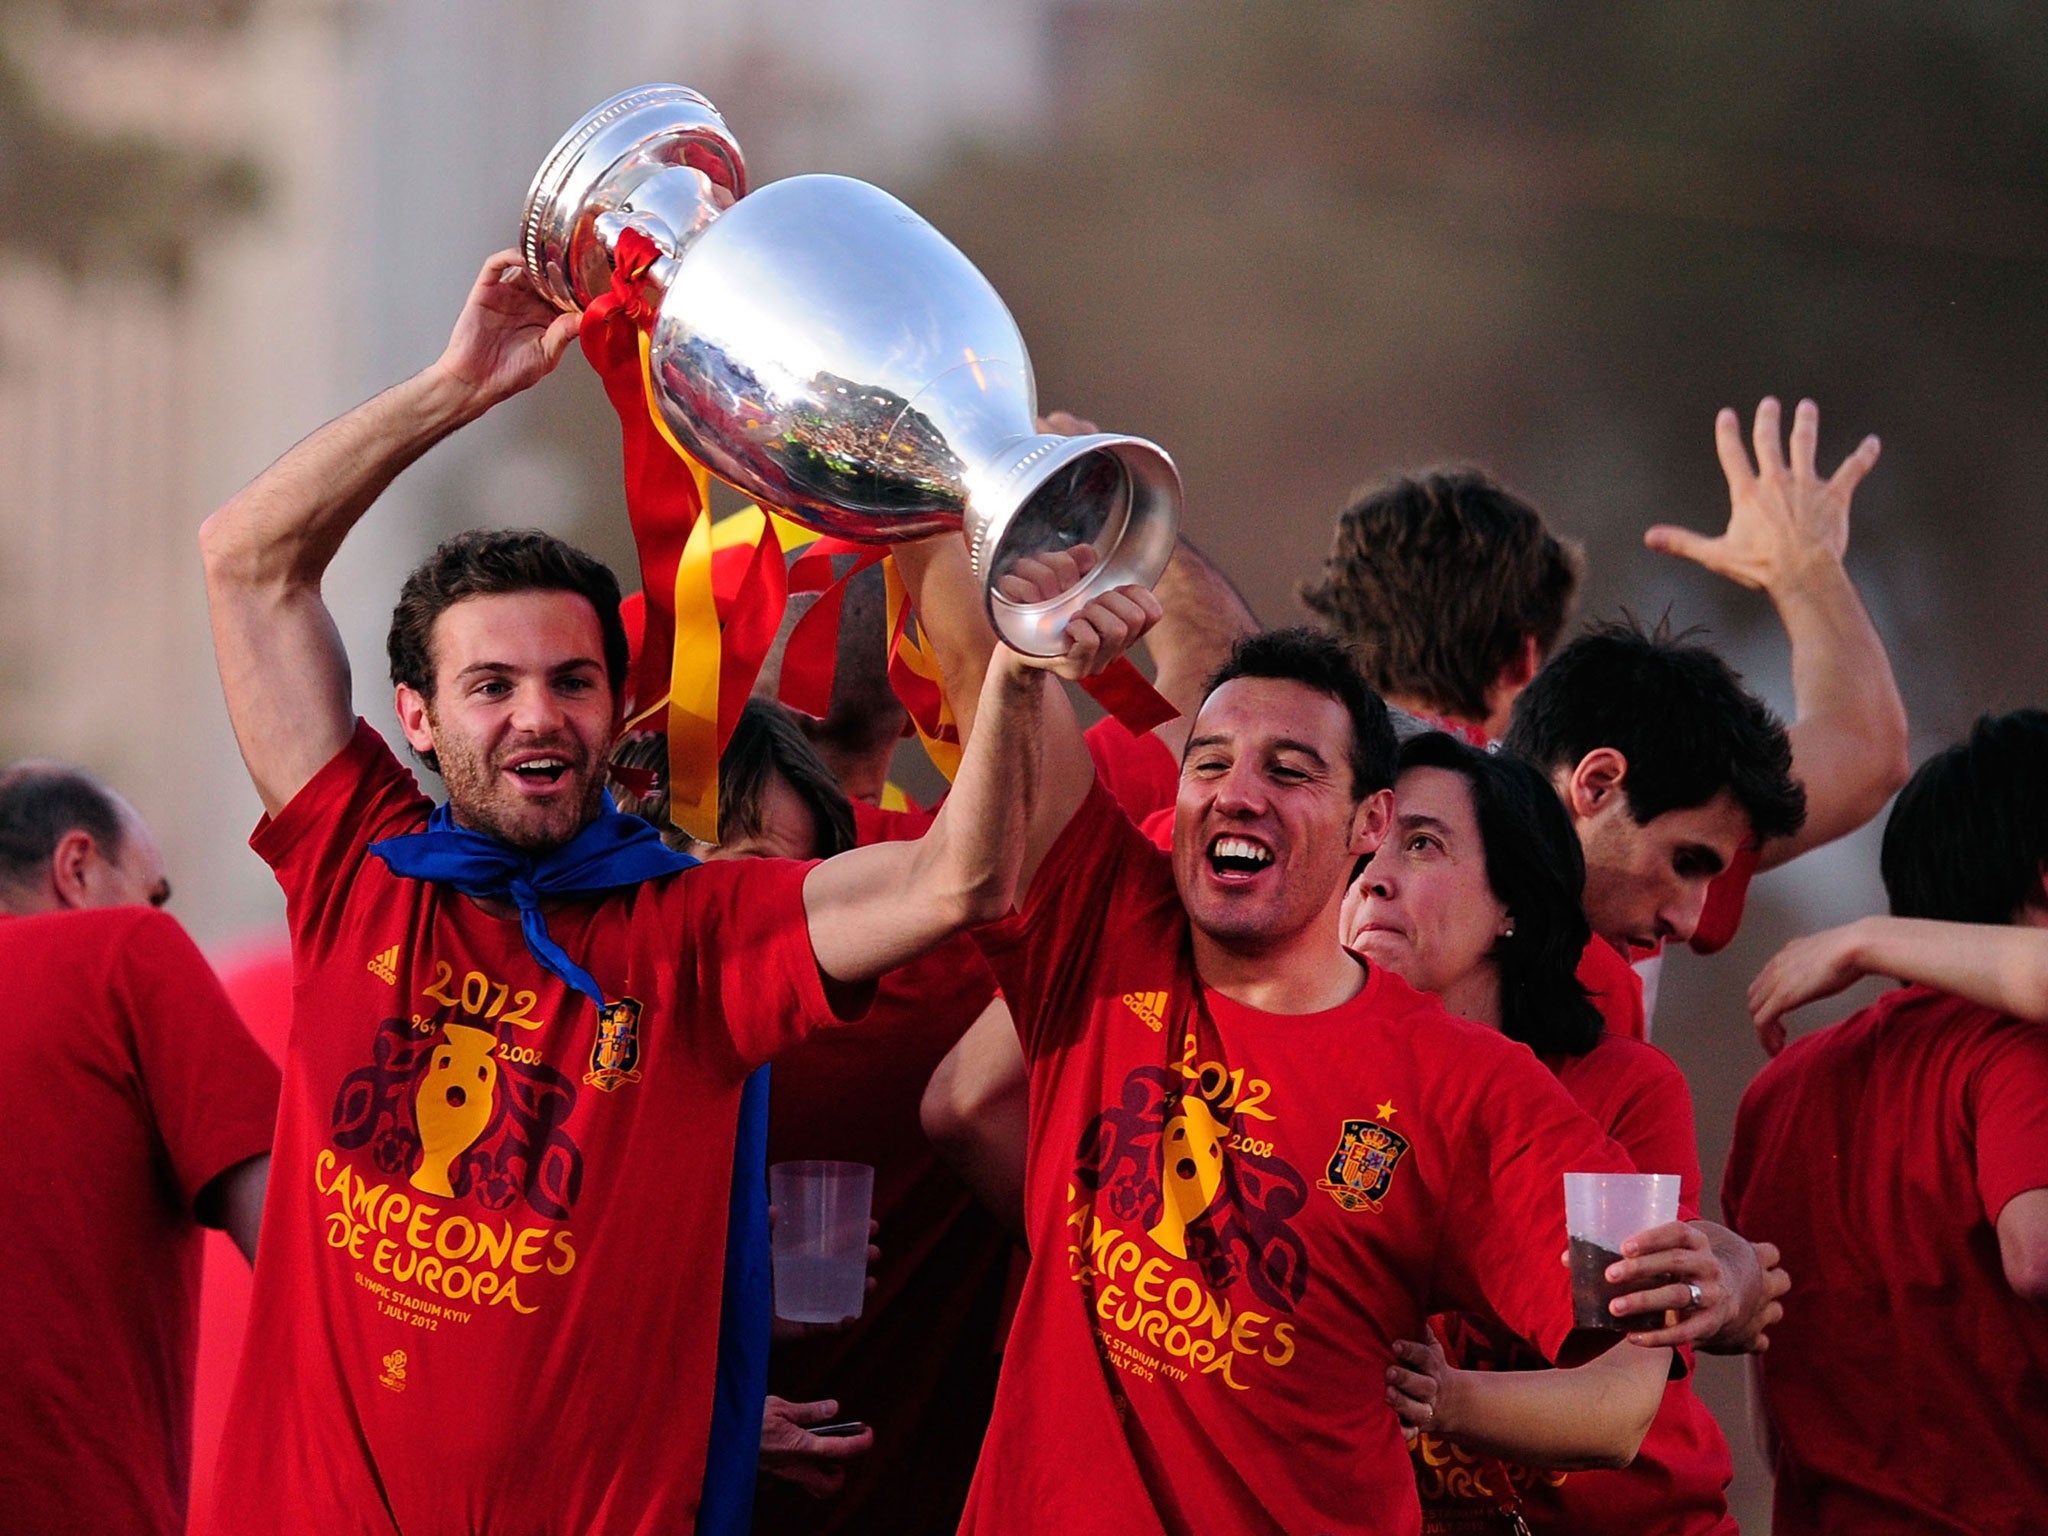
(1908, 1383)
(127, 1086)
(920, 1364)
(1615, 989)
(1677, 1483)
(1234, 1215)
(487, 1294)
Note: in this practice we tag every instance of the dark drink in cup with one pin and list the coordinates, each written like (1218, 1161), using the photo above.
(1592, 1291)
(1601, 1212)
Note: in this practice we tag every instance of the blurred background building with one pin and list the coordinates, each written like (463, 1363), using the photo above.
(1301, 244)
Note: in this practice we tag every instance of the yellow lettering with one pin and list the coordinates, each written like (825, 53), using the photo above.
(1124, 1257)
(1153, 1272)
(416, 1231)
(1220, 1366)
(455, 1284)
(565, 1251)
(397, 1207)
(1283, 1342)
(526, 1250)
(381, 1259)
(1184, 1298)
(1244, 1333)
(454, 1250)
(1105, 1301)
(321, 1165)
(491, 1247)
(363, 1201)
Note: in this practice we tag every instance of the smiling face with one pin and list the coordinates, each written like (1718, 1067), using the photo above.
(1423, 908)
(522, 715)
(1266, 827)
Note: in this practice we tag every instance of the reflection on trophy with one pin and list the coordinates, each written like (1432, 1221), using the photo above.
(823, 349)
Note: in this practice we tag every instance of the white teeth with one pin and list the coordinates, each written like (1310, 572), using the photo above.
(1239, 848)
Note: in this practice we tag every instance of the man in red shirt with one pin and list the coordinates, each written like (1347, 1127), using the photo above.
(1669, 770)
(1900, 1159)
(490, 1297)
(1452, 594)
(138, 1110)
(1255, 1162)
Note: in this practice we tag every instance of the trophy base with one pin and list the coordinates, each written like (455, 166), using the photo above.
(1119, 496)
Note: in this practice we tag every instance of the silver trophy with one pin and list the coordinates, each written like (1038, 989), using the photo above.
(823, 349)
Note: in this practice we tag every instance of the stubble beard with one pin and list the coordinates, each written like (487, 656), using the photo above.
(482, 802)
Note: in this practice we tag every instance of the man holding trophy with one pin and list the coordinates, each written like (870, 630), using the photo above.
(488, 1293)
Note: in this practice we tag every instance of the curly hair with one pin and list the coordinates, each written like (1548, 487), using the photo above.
(1438, 580)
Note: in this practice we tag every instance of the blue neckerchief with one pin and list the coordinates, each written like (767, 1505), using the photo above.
(613, 852)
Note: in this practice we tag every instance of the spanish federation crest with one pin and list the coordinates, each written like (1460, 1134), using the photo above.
(615, 1054)
(1363, 1165)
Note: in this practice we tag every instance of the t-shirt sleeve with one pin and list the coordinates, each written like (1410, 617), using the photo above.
(1045, 955)
(1504, 1229)
(2009, 1100)
(751, 959)
(210, 1088)
(1727, 894)
(1136, 767)
(1653, 1123)
(318, 843)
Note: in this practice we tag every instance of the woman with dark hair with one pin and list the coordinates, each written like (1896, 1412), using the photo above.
(1475, 896)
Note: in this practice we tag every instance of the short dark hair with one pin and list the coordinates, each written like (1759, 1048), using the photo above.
(1437, 580)
(1968, 835)
(1536, 870)
(1676, 711)
(489, 563)
(41, 803)
(1318, 661)
(765, 740)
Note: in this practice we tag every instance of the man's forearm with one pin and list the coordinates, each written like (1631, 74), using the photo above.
(1849, 744)
(2001, 967)
(1593, 1415)
(1204, 616)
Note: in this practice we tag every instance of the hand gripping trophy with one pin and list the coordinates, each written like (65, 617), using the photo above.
(823, 349)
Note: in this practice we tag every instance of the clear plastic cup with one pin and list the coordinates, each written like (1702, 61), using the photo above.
(1601, 1210)
(820, 1241)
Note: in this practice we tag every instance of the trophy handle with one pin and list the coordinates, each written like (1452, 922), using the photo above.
(637, 139)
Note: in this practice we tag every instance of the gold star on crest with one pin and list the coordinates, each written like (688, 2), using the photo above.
(1386, 1111)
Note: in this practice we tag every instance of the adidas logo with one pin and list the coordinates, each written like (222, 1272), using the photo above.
(384, 966)
(1148, 1006)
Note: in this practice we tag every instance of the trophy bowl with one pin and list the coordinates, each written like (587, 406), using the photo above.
(820, 347)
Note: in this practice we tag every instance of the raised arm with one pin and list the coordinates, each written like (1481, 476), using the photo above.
(1024, 773)
(1592, 1415)
(1787, 531)
(1202, 615)
(1995, 965)
(282, 665)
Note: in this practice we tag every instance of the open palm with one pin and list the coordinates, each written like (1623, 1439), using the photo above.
(1781, 513)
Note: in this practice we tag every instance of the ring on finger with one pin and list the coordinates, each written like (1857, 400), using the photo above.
(1698, 1297)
